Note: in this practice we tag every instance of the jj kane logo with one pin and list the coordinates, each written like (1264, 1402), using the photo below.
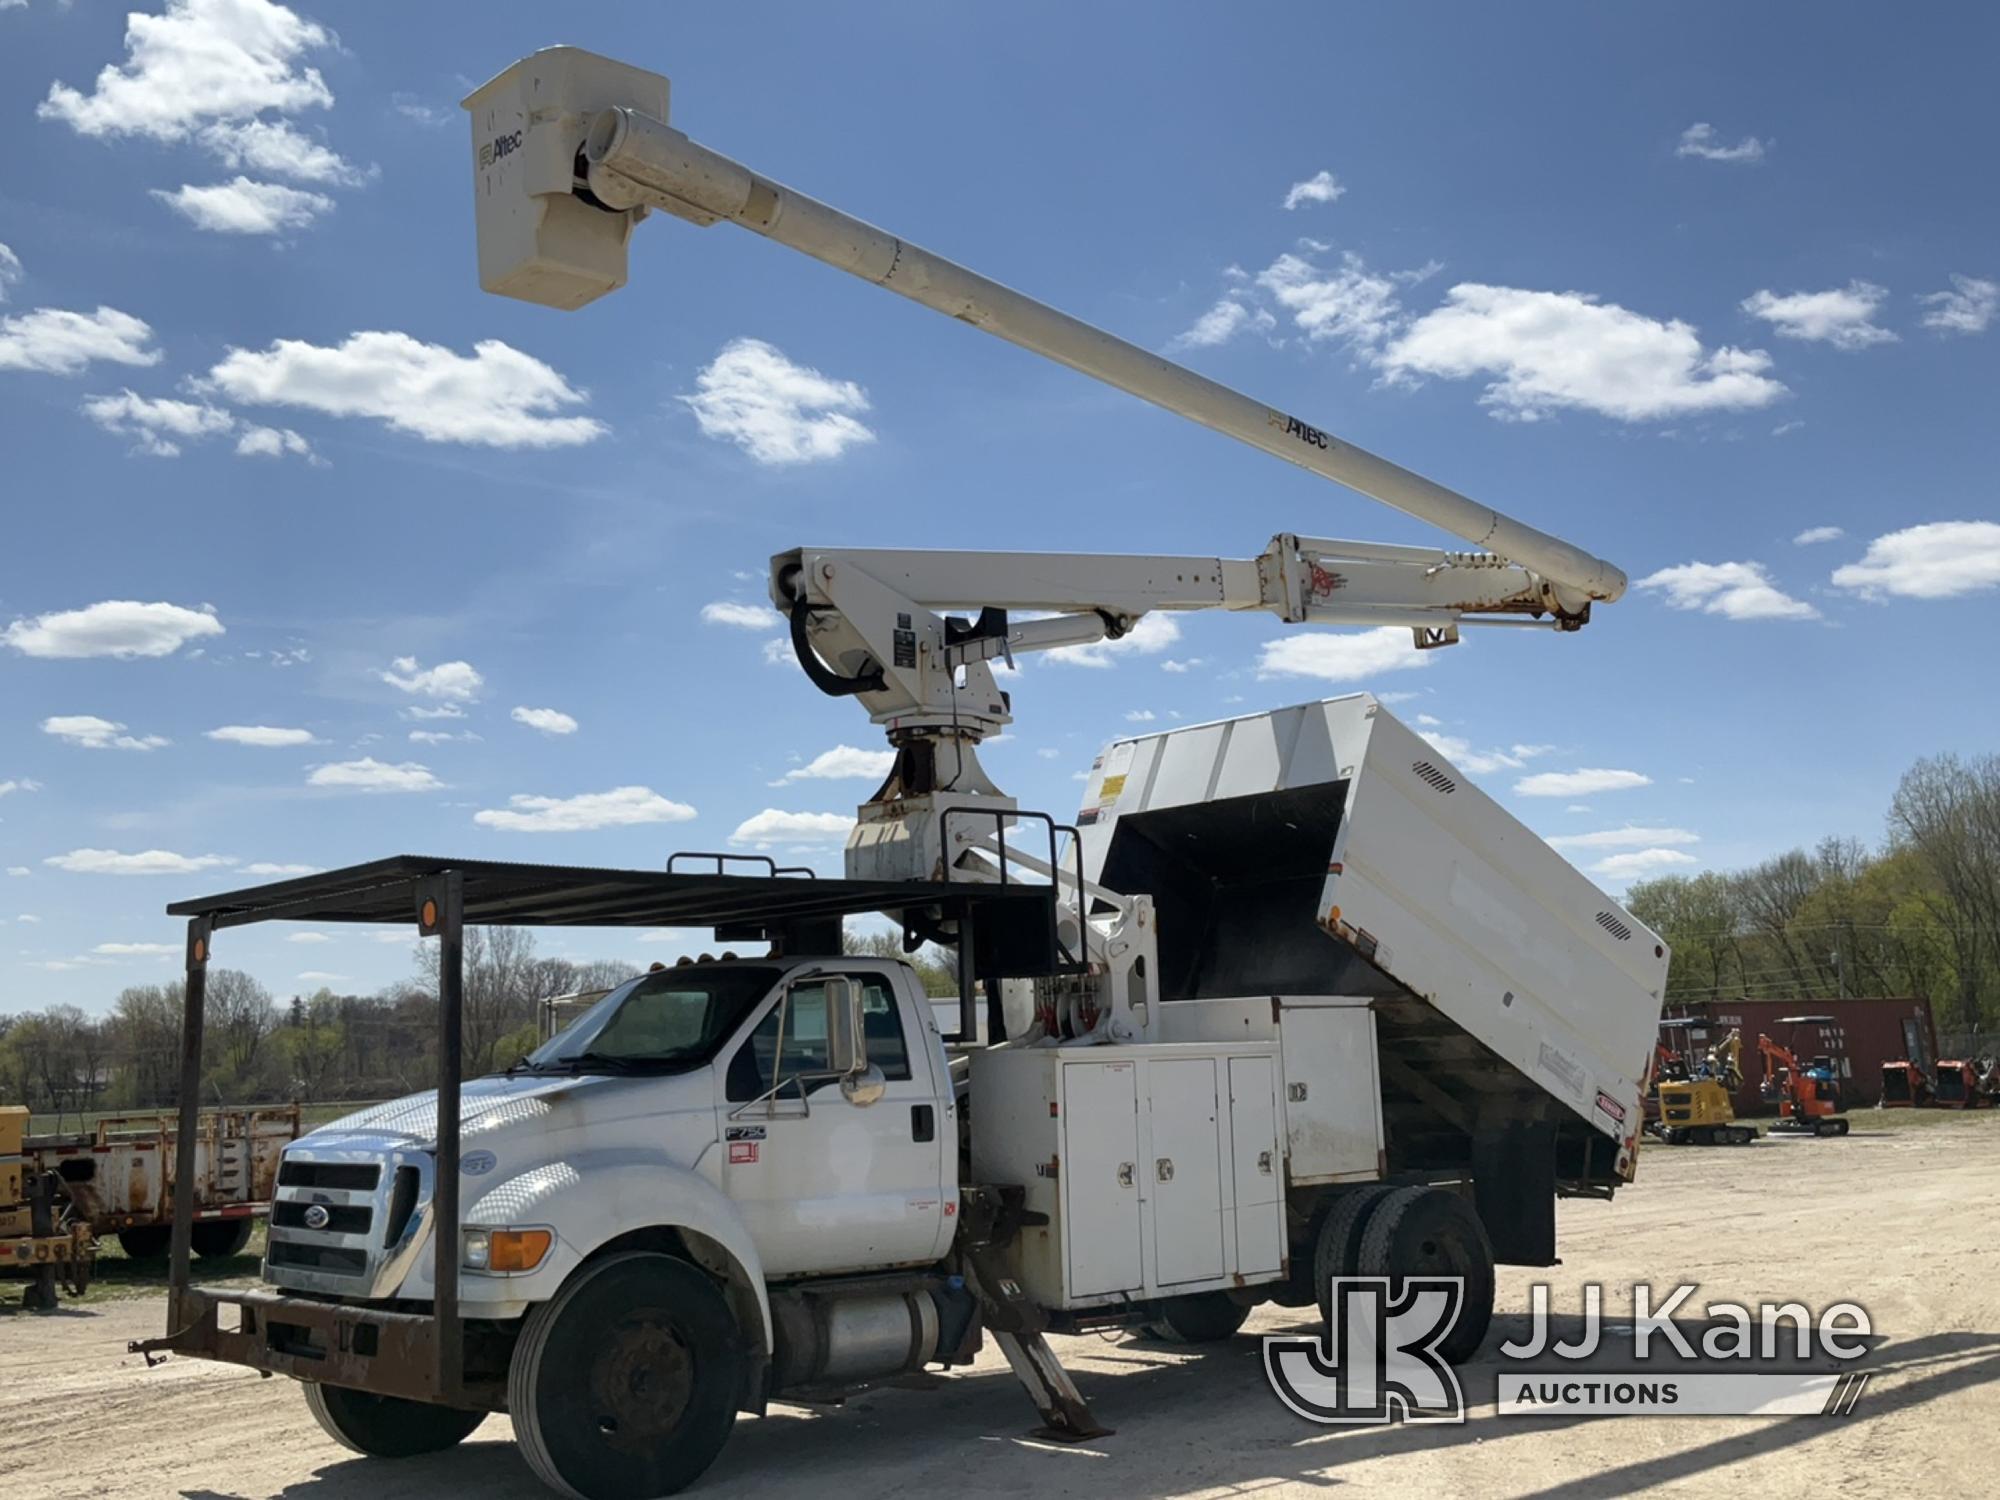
(1379, 1361)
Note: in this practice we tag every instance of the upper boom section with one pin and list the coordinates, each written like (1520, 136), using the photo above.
(572, 149)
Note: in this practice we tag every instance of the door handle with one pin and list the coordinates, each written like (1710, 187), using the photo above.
(923, 1123)
(1164, 1169)
(1124, 1174)
(1264, 1162)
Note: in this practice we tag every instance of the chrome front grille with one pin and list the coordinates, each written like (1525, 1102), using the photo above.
(348, 1219)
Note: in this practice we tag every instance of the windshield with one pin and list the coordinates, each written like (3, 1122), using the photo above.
(661, 1022)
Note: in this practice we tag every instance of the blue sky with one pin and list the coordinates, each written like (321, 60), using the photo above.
(1683, 288)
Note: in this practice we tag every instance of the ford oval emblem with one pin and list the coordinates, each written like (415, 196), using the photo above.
(477, 1163)
(316, 1217)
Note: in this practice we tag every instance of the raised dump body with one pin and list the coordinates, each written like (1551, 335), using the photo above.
(1327, 852)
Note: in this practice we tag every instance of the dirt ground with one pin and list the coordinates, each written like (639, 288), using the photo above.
(1902, 1221)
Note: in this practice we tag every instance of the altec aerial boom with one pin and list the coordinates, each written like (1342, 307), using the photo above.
(575, 147)
(573, 150)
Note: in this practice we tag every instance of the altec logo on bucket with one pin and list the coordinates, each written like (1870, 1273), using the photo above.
(1379, 1360)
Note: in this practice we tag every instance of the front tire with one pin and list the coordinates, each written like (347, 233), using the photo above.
(387, 1426)
(1202, 1318)
(623, 1385)
(1423, 1231)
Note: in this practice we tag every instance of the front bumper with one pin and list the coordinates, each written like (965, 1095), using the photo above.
(367, 1349)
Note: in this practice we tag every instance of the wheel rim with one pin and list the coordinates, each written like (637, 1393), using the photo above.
(641, 1382)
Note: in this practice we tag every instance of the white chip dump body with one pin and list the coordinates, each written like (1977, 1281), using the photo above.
(1421, 874)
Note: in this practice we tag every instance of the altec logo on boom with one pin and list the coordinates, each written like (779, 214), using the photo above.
(1379, 1360)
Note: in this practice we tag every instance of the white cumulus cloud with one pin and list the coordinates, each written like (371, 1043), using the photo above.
(281, 148)
(775, 410)
(771, 826)
(742, 616)
(94, 733)
(243, 205)
(145, 862)
(1967, 306)
(1937, 560)
(10, 271)
(498, 397)
(842, 763)
(1628, 837)
(1149, 635)
(1321, 187)
(1641, 862)
(52, 341)
(1701, 141)
(267, 867)
(547, 720)
(122, 628)
(1223, 322)
(273, 442)
(156, 424)
(620, 807)
(1842, 316)
(1342, 657)
(1813, 535)
(371, 775)
(1734, 590)
(136, 950)
(1550, 351)
(1580, 783)
(197, 61)
(262, 735)
(1469, 757)
(451, 681)
(1348, 303)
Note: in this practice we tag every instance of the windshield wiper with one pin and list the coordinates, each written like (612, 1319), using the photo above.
(591, 1062)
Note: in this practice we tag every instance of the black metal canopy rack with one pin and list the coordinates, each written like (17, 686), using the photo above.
(1007, 930)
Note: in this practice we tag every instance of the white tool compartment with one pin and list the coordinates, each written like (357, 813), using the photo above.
(1160, 1168)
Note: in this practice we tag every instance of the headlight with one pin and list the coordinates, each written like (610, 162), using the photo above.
(506, 1251)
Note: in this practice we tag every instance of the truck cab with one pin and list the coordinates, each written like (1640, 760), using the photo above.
(701, 1095)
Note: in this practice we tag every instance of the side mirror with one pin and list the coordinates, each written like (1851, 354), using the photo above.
(847, 1043)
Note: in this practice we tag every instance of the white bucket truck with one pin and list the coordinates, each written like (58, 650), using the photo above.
(1290, 1000)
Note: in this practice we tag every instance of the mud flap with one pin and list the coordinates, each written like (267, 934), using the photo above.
(1514, 1189)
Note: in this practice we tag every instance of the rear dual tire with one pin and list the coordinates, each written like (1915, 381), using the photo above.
(1412, 1231)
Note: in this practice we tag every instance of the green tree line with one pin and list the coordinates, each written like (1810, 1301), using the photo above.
(315, 1048)
(1918, 916)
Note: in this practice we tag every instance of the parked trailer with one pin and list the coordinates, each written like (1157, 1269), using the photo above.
(118, 1177)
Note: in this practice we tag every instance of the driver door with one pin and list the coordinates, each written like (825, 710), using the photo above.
(823, 1184)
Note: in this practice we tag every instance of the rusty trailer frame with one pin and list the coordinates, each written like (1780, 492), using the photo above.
(419, 1355)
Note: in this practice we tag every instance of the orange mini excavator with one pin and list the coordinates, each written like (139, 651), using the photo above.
(1808, 1097)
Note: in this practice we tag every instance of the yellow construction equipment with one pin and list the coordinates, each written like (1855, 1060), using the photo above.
(1697, 1108)
(38, 1232)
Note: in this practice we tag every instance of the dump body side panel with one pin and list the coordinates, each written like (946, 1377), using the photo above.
(1329, 849)
(1482, 919)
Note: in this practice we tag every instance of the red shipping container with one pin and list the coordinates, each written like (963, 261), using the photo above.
(1863, 1034)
